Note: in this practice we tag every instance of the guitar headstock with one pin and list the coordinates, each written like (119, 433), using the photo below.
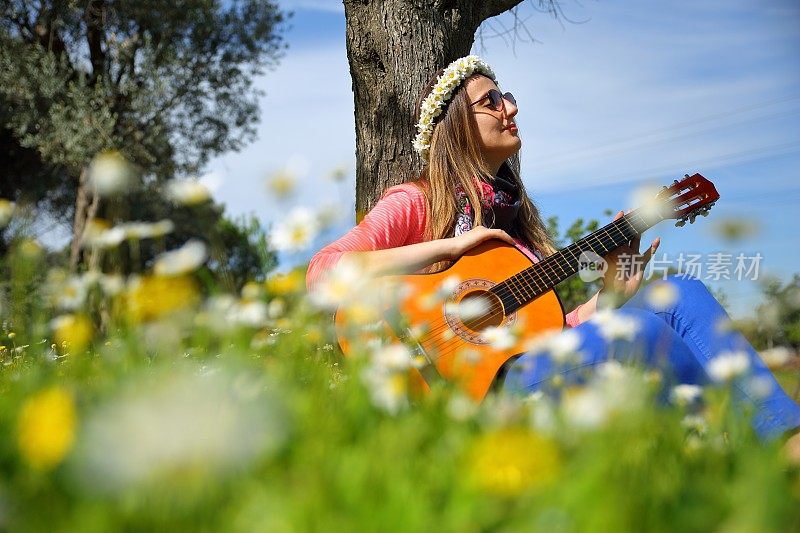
(686, 199)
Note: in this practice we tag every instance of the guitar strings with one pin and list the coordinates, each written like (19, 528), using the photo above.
(505, 293)
(537, 273)
(443, 347)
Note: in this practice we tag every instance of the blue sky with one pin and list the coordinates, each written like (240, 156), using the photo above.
(637, 92)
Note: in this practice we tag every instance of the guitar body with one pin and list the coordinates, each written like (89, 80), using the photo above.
(453, 347)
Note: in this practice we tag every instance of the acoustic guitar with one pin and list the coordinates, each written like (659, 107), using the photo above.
(494, 285)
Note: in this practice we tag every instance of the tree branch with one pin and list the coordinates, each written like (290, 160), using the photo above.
(95, 35)
(492, 8)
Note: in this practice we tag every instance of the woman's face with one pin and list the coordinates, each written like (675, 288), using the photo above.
(497, 130)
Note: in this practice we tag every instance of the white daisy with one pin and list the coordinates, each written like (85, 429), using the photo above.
(776, 357)
(392, 357)
(585, 409)
(147, 230)
(613, 325)
(185, 259)
(297, 232)
(661, 295)
(187, 192)
(109, 174)
(499, 338)
(728, 365)
(685, 394)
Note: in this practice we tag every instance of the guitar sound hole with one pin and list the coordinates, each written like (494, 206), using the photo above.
(479, 310)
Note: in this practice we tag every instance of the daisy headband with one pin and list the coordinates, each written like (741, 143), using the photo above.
(455, 73)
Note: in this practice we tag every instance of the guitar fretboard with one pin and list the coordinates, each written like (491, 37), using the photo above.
(541, 277)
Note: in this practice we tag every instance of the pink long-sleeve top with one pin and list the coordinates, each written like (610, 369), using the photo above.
(398, 219)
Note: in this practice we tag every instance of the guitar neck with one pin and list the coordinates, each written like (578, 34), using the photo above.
(541, 277)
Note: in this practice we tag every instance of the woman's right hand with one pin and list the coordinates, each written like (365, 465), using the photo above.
(468, 240)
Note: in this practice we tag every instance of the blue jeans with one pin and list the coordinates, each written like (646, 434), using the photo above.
(680, 338)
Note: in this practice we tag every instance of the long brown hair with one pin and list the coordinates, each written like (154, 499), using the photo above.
(455, 159)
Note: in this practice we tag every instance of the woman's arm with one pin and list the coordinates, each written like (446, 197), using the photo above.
(390, 239)
(586, 310)
(413, 257)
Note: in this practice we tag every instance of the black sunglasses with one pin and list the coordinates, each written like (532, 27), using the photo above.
(496, 99)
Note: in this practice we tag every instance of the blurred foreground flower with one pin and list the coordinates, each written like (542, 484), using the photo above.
(177, 427)
(187, 192)
(73, 332)
(646, 197)
(151, 297)
(99, 234)
(728, 365)
(512, 460)
(734, 229)
(348, 285)
(614, 325)
(46, 429)
(147, 230)
(223, 312)
(6, 212)
(612, 389)
(297, 231)
(282, 184)
(109, 173)
(661, 295)
(71, 293)
(499, 338)
(386, 377)
(685, 394)
(776, 357)
(562, 346)
(185, 259)
(286, 283)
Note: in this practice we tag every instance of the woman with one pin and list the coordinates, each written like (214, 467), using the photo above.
(469, 139)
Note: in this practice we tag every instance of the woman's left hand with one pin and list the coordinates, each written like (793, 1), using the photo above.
(625, 269)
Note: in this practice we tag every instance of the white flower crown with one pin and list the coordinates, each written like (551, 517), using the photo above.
(455, 73)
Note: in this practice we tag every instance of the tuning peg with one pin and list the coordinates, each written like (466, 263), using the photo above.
(675, 182)
(692, 217)
(704, 212)
(681, 222)
(686, 175)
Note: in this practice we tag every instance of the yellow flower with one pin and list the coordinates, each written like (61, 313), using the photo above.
(30, 249)
(7, 208)
(46, 430)
(73, 330)
(151, 297)
(512, 460)
(281, 284)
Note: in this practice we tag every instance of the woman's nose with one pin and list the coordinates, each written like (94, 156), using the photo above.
(510, 108)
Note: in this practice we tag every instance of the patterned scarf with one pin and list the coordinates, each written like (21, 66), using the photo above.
(500, 202)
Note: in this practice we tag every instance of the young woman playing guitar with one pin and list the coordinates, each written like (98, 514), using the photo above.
(470, 191)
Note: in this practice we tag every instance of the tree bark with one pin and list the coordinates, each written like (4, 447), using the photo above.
(393, 47)
(79, 222)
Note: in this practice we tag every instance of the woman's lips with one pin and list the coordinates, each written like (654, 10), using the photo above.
(512, 128)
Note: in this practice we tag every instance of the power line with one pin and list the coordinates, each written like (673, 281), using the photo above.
(756, 154)
(658, 142)
(678, 126)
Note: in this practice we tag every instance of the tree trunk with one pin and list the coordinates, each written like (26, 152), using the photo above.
(79, 222)
(393, 47)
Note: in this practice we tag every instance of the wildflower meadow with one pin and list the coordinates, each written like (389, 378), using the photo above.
(158, 400)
